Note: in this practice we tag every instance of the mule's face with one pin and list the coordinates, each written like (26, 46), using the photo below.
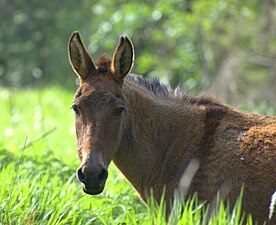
(99, 107)
(99, 113)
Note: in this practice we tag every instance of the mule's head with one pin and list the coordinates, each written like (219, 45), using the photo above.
(100, 107)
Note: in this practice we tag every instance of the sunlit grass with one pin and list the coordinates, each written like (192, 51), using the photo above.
(33, 192)
(38, 160)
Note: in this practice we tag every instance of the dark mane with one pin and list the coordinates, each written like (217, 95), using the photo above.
(165, 91)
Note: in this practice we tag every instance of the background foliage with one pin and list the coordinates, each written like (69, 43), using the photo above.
(226, 48)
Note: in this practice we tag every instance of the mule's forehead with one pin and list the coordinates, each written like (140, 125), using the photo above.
(97, 92)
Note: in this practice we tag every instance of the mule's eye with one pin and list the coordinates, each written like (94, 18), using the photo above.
(118, 112)
(76, 109)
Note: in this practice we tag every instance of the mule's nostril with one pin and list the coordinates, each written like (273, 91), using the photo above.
(103, 175)
(81, 176)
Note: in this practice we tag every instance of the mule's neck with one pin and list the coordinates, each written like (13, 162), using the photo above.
(160, 137)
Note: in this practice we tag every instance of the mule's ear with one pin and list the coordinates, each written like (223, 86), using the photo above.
(123, 59)
(79, 58)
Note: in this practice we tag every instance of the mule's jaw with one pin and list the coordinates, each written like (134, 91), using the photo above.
(94, 191)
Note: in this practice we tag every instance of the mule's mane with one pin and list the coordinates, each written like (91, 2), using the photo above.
(164, 91)
(156, 87)
(103, 63)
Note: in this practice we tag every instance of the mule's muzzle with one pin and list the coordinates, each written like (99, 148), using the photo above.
(92, 179)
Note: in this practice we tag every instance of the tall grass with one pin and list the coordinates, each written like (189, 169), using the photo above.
(38, 160)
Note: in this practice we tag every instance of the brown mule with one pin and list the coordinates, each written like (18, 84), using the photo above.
(152, 132)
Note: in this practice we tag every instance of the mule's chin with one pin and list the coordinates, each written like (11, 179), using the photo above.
(93, 191)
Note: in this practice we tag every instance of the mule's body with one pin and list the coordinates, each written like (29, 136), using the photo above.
(232, 147)
(152, 132)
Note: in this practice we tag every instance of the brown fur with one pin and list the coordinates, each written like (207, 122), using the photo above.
(159, 131)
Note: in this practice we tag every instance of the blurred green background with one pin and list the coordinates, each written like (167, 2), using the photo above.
(221, 47)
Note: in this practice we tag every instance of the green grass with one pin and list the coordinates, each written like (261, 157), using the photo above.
(38, 160)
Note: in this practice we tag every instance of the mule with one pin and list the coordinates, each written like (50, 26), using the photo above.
(152, 132)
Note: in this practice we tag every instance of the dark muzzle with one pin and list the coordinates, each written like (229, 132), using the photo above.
(93, 178)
